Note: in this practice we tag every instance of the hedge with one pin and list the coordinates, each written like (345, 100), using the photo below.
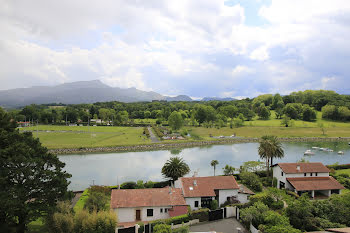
(339, 166)
(202, 215)
(158, 132)
(178, 219)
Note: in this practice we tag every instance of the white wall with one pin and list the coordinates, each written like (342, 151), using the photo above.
(129, 214)
(277, 174)
(224, 193)
(243, 198)
(190, 201)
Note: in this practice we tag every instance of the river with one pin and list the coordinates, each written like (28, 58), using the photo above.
(114, 168)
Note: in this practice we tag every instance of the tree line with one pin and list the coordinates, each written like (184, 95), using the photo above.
(300, 105)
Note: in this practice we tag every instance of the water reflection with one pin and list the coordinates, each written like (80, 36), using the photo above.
(111, 168)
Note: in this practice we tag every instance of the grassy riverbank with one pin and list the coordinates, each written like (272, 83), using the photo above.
(58, 137)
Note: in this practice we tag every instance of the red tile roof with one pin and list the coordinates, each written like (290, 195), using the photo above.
(245, 190)
(206, 185)
(304, 167)
(314, 183)
(146, 197)
(177, 210)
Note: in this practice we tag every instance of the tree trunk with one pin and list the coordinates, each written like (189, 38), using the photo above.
(214, 170)
(21, 227)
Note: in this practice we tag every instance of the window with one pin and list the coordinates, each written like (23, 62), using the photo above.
(165, 210)
(281, 173)
(316, 174)
(161, 210)
(149, 212)
(311, 174)
(196, 203)
(304, 174)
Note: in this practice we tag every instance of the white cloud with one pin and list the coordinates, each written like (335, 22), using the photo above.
(127, 43)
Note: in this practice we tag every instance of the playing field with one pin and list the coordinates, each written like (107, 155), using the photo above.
(82, 136)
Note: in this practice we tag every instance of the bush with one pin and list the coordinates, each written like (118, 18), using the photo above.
(292, 194)
(146, 132)
(339, 166)
(100, 189)
(266, 181)
(202, 215)
(252, 181)
(157, 131)
(162, 228)
(96, 202)
(178, 219)
(214, 205)
(128, 185)
(184, 229)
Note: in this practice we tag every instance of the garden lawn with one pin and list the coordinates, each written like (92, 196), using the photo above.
(258, 131)
(342, 171)
(54, 137)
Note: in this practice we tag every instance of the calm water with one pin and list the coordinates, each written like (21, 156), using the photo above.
(111, 168)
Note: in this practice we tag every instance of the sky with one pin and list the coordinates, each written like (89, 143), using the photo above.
(223, 48)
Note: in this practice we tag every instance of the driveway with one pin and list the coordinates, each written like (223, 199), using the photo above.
(228, 225)
(152, 136)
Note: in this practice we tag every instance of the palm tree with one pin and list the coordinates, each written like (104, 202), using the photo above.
(174, 168)
(270, 147)
(213, 164)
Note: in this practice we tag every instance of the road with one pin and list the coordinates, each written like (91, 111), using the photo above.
(153, 137)
(228, 225)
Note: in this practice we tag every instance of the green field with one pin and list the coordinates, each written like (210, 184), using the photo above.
(82, 136)
(343, 171)
(55, 137)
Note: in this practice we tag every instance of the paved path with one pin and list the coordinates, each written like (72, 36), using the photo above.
(228, 225)
(76, 199)
(153, 137)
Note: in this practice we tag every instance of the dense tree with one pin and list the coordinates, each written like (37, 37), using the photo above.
(175, 120)
(263, 112)
(228, 170)
(174, 168)
(32, 179)
(213, 163)
(277, 102)
(308, 113)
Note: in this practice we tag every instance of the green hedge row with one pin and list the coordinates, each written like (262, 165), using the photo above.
(202, 215)
(339, 166)
(157, 131)
(146, 132)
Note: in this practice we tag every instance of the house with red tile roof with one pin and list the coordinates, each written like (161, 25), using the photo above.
(136, 205)
(199, 192)
(312, 178)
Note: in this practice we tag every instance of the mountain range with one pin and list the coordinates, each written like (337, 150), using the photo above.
(82, 92)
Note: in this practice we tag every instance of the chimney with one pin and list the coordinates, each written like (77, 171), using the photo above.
(195, 183)
(298, 167)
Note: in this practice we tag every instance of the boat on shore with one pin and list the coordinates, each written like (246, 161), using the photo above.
(309, 152)
(340, 152)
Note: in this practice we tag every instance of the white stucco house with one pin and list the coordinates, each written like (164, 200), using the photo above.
(143, 205)
(200, 191)
(312, 178)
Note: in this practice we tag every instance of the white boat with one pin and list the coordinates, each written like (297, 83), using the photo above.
(321, 148)
(315, 147)
(340, 152)
(329, 150)
(308, 152)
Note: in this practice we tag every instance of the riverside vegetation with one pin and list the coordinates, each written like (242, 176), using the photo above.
(300, 114)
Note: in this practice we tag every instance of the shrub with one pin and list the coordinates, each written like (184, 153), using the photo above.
(266, 181)
(96, 202)
(162, 228)
(214, 205)
(252, 181)
(178, 219)
(183, 229)
(339, 166)
(128, 185)
(274, 182)
(100, 189)
(146, 132)
(202, 215)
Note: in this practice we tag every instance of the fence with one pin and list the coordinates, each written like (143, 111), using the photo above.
(133, 229)
(253, 229)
